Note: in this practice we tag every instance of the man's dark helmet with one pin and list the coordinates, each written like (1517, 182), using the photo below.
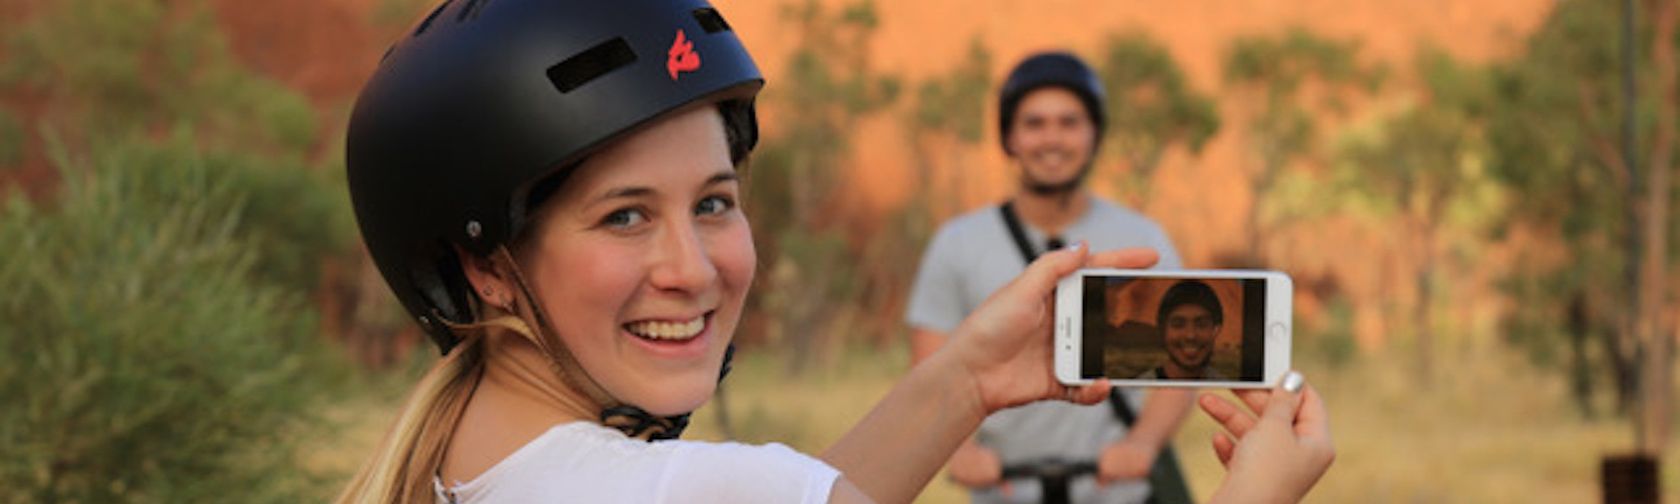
(1190, 292)
(1059, 69)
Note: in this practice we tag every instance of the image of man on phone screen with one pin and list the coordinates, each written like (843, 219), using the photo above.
(1188, 321)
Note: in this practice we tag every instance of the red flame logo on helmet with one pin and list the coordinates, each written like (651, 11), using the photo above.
(681, 57)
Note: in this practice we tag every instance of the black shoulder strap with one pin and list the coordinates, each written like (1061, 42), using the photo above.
(1017, 232)
(1122, 409)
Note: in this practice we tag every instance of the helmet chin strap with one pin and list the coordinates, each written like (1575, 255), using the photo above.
(634, 421)
(627, 418)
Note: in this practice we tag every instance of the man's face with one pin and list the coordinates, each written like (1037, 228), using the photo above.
(1189, 332)
(1052, 137)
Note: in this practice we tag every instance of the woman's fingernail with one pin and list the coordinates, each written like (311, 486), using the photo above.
(1293, 381)
(1076, 245)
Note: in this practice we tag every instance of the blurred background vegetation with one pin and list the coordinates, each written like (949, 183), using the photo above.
(1475, 215)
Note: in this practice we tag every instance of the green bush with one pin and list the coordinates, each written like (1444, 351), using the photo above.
(119, 66)
(142, 358)
(11, 139)
(295, 215)
(90, 49)
(1334, 344)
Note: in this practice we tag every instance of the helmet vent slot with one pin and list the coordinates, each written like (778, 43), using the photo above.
(471, 10)
(430, 17)
(591, 64)
(710, 20)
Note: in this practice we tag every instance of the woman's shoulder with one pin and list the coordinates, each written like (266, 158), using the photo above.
(737, 472)
(572, 459)
(589, 462)
(739, 453)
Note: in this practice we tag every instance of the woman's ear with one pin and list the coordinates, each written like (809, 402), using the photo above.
(491, 283)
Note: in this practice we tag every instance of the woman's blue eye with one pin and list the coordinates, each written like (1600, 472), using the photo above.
(713, 205)
(624, 218)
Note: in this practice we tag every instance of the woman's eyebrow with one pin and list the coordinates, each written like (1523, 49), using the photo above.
(624, 192)
(728, 175)
(720, 177)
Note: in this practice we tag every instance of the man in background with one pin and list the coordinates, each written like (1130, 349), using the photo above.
(1051, 120)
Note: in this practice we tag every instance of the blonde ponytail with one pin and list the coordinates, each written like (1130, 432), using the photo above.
(402, 470)
(408, 460)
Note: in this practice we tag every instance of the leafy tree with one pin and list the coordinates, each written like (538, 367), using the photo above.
(1289, 80)
(946, 121)
(1556, 125)
(119, 69)
(1653, 329)
(11, 138)
(954, 104)
(1554, 133)
(1424, 160)
(807, 265)
(110, 67)
(948, 117)
(1150, 108)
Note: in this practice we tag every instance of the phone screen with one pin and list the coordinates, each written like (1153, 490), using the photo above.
(1173, 328)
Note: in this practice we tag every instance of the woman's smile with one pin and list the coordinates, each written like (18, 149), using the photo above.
(673, 338)
(668, 331)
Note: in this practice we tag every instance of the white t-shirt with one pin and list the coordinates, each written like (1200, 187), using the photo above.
(586, 462)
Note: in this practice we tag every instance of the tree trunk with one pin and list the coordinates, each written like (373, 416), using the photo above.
(1580, 374)
(1657, 379)
(1624, 363)
(1420, 310)
(1272, 160)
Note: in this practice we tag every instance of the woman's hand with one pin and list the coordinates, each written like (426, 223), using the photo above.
(1278, 455)
(1005, 344)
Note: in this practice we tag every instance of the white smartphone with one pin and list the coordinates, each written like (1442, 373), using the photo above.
(1165, 328)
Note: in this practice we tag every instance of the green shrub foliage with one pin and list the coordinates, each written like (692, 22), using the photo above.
(142, 356)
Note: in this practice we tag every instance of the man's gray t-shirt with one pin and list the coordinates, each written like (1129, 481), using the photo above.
(972, 256)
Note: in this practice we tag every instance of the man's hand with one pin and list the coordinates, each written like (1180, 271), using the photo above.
(975, 466)
(1126, 459)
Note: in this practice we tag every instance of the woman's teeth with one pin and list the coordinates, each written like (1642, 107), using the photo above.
(668, 330)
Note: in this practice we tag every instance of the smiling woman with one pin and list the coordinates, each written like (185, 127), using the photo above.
(556, 205)
(641, 261)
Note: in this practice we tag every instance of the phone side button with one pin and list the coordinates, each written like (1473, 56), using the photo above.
(1279, 331)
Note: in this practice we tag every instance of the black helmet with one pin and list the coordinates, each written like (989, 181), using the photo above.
(1189, 292)
(1058, 69)
(468, 119)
